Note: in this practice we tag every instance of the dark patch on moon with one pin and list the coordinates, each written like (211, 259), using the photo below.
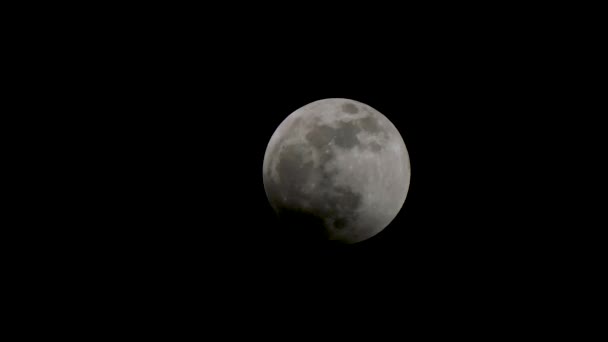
(346, 135)
(320, 136)
(347, 199)
(326, 176)
(292, 170)
(369, 124)
(375, 146)
(350, 108)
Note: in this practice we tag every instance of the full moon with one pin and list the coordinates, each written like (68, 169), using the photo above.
(338, 170)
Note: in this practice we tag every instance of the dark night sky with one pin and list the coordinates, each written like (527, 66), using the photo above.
(189, 119)
(197, 155)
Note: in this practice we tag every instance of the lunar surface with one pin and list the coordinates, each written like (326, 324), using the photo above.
(336, 170)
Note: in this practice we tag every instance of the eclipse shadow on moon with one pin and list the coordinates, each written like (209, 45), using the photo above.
(336, 170)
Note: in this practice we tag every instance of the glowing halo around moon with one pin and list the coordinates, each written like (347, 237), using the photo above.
(336, 169)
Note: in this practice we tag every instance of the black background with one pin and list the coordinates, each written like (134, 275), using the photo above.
(183, 111)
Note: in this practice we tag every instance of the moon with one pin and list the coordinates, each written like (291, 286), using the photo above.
(338, 170)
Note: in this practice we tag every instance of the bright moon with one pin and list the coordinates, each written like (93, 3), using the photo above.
(337, 169)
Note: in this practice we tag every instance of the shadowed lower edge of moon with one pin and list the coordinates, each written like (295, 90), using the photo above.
(314, 214)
